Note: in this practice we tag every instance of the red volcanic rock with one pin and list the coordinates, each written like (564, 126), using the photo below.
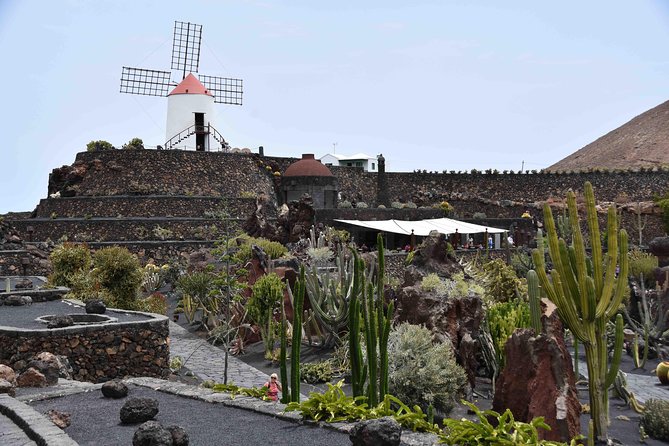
(538, 380)
(31, 378)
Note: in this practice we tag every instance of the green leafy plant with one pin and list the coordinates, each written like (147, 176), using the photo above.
(245, 243)
(642, 264)
(421, 372)
(67, 260)
(334, 405)
(655, 419)
(493, 429)
(587, 294)
(234, 390)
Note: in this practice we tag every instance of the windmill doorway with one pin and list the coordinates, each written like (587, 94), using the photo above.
(200, 132)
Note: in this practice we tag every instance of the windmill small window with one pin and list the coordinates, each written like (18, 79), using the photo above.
(190, 102)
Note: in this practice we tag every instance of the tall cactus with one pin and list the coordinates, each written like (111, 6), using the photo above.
(587, 294)
(285, 393)
(297, 338)
(535, 301)
(367, 301)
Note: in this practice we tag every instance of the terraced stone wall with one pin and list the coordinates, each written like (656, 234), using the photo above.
(96, 352)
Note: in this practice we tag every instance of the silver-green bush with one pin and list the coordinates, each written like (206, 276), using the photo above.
(421, 372)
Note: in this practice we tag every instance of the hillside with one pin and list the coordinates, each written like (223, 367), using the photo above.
(641, 142)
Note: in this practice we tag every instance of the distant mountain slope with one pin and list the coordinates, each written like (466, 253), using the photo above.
(641, 142)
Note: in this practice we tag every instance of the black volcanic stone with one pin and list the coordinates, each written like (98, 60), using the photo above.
(95, 307)
(179, 436)
(152, 433)
(114, 389)
(139, 410)
(60, 322)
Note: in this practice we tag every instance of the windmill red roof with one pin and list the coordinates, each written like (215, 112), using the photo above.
(190, 85)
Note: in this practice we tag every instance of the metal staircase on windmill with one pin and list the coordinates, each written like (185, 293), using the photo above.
(185, 61)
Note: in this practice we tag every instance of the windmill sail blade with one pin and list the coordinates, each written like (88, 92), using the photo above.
(186, 47)
(145, 82)
(225, 90)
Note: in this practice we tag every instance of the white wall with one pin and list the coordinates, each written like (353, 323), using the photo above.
(181, 109)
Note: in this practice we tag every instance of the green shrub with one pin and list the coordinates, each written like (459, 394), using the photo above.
(501, 283)
(663, 203)
(423, 373)
(316, 372)
(396, 205)
(361, 205)
(266, 297)
(117, 270)
(433, 283)
(67, 260)
(642, 263)
(655, 419)
(95, 146)
(134, 144)
(503, 318)
(245, 242)
(344, 204)
(155, 303)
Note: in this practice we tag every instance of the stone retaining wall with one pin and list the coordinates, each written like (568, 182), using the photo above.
(95, 352)
(124, 229)
(143, 206)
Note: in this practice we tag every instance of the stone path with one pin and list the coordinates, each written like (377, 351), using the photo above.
(644, 387)
(208, 362)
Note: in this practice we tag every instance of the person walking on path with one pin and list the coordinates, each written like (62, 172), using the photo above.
(274, 387)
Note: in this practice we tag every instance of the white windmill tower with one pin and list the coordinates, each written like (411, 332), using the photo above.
(190, 102)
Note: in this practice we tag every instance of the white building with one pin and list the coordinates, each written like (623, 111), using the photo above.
(190, 117)
(367, 162)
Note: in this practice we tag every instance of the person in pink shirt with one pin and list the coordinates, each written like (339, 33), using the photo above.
(274, 387)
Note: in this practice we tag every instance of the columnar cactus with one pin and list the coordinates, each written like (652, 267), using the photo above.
(285, 393)
(535, 301)
(297, 338)
(587, 294)
(367, 300)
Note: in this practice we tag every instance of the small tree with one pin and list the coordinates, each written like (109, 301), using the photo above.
(134, 144)
(97, 146)
(117, 270)
(266, 297)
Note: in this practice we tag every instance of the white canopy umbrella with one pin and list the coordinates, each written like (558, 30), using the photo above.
(423, 227)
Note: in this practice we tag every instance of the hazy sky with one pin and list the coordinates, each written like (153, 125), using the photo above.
(430, 84)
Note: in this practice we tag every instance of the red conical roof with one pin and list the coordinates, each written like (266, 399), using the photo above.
(190, 85)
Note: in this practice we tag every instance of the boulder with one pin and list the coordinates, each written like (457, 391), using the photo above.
(59, 363)
(95, 307)
(378, 432)
(7, 373)
(538, 379)
(7, 387)
(114, 389)
(46, 369)
(23, 284)
(432, 256)
(18, 301)
(139, 410)
(152, 433)
(31, 378)
(60, 419)
(659, 247)
(179, 436)
(60, 322)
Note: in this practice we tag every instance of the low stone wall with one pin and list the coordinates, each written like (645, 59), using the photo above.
(143, 206)
(95, 352)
